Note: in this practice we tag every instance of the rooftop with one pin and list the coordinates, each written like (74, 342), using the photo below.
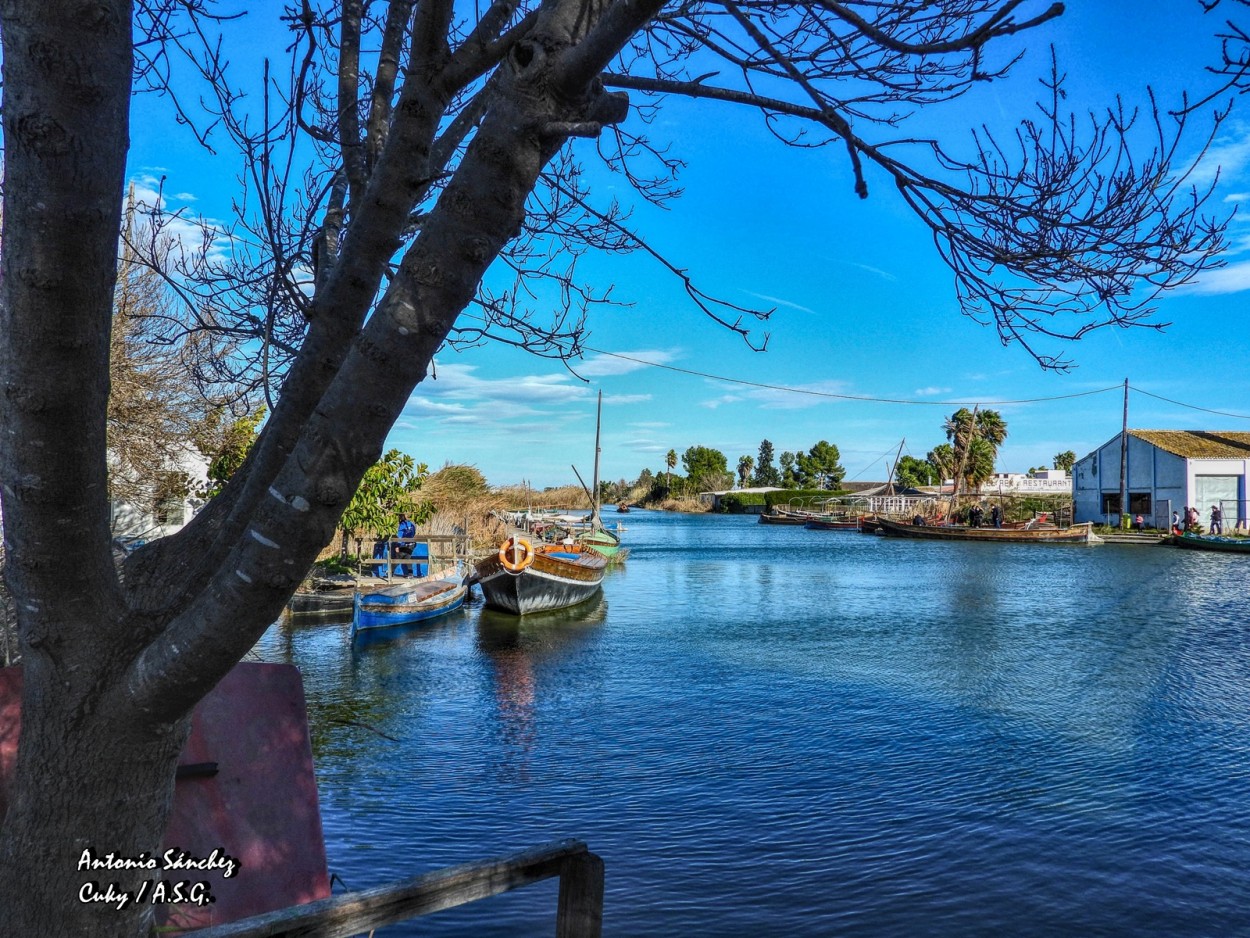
(1199, 444)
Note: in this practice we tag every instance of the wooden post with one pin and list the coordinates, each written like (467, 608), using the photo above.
(580, 910)
(1124, 460)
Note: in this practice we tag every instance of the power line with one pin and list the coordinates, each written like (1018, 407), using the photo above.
(1205, 410)
(842, 397)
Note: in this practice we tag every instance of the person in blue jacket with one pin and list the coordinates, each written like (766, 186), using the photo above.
(406, 529)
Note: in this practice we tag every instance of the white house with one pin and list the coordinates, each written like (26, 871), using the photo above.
(150, 519)
(1166, 471)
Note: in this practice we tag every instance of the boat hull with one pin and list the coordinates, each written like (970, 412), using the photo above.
(1077, 534)
(550, 582)
(407, 603)
(321, 602)
(778, 518)
(839, 524)
(1227, 545)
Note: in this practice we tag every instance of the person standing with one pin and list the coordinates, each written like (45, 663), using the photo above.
(1176, 523)
(1217, 520)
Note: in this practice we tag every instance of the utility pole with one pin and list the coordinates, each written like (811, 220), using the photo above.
(1124, 459)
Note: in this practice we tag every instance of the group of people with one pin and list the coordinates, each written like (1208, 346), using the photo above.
(1187, 520)
(976, 516)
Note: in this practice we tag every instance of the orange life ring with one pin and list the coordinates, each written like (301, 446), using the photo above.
(515, 554)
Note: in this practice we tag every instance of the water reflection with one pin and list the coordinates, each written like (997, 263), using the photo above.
(519, 651)
(775, 731)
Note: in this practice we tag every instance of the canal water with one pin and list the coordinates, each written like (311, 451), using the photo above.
(776, 731)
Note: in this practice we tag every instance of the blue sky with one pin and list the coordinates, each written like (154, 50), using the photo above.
(864, 306)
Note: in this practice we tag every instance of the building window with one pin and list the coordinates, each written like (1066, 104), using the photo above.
(171, 511)
(1138, 503)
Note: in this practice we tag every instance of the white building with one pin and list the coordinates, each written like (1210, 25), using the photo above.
(1166, 471)
(159, 516)
(1041, 482)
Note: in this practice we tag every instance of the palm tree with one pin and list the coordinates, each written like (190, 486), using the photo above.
(942, 459)
(979, 465)
(671, 462)
(967, 428)
(745, 466)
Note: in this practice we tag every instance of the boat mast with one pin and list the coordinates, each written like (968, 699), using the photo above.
(897, 457)
(963, 458)
(595, 521)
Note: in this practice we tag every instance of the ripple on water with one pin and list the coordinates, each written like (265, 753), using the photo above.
(771, 731)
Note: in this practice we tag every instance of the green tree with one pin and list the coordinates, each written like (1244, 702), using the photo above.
(789, 471)
(912, 472)
(819, 467)
(227, 447)
(979, 463)
(745, 465)
(1065, 460)
(963, 428)
(706, 468)
(670, 463)
(386, 489)
(765, 472)
(942, 459)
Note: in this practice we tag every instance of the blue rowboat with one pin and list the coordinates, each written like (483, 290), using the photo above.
(406, 602)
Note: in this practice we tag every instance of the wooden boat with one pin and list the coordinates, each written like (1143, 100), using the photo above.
(593, 535)
(778, 516)
(407, 601)
(835, 524)
(325, 596)
(1228, 545)
(1076, 534)
(524, 577)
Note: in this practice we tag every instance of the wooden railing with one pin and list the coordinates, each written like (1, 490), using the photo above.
(579, 912)
(456, 549)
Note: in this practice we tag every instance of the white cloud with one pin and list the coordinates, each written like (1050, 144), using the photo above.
(1229, 156)
(184, 230)
(603, 364)
(1231, 279)
(777, 301)
(931, 391)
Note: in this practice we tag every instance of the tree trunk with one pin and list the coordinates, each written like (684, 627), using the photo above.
(88, 784)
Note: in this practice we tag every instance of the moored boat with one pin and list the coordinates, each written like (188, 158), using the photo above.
(1228, 545)
(524, 577)
(1076, 534)
(778, 516)
(405, 602)
(851, 523)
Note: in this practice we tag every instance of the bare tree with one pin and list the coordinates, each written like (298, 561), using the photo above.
(441, 145)
(158, 415)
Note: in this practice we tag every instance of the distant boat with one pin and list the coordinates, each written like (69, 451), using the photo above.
(622, 508)
(778, 516)
(524, 577)
(406, 602)
(852, 523)
(592, 534)
(1228, 545)
(1076, 534)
